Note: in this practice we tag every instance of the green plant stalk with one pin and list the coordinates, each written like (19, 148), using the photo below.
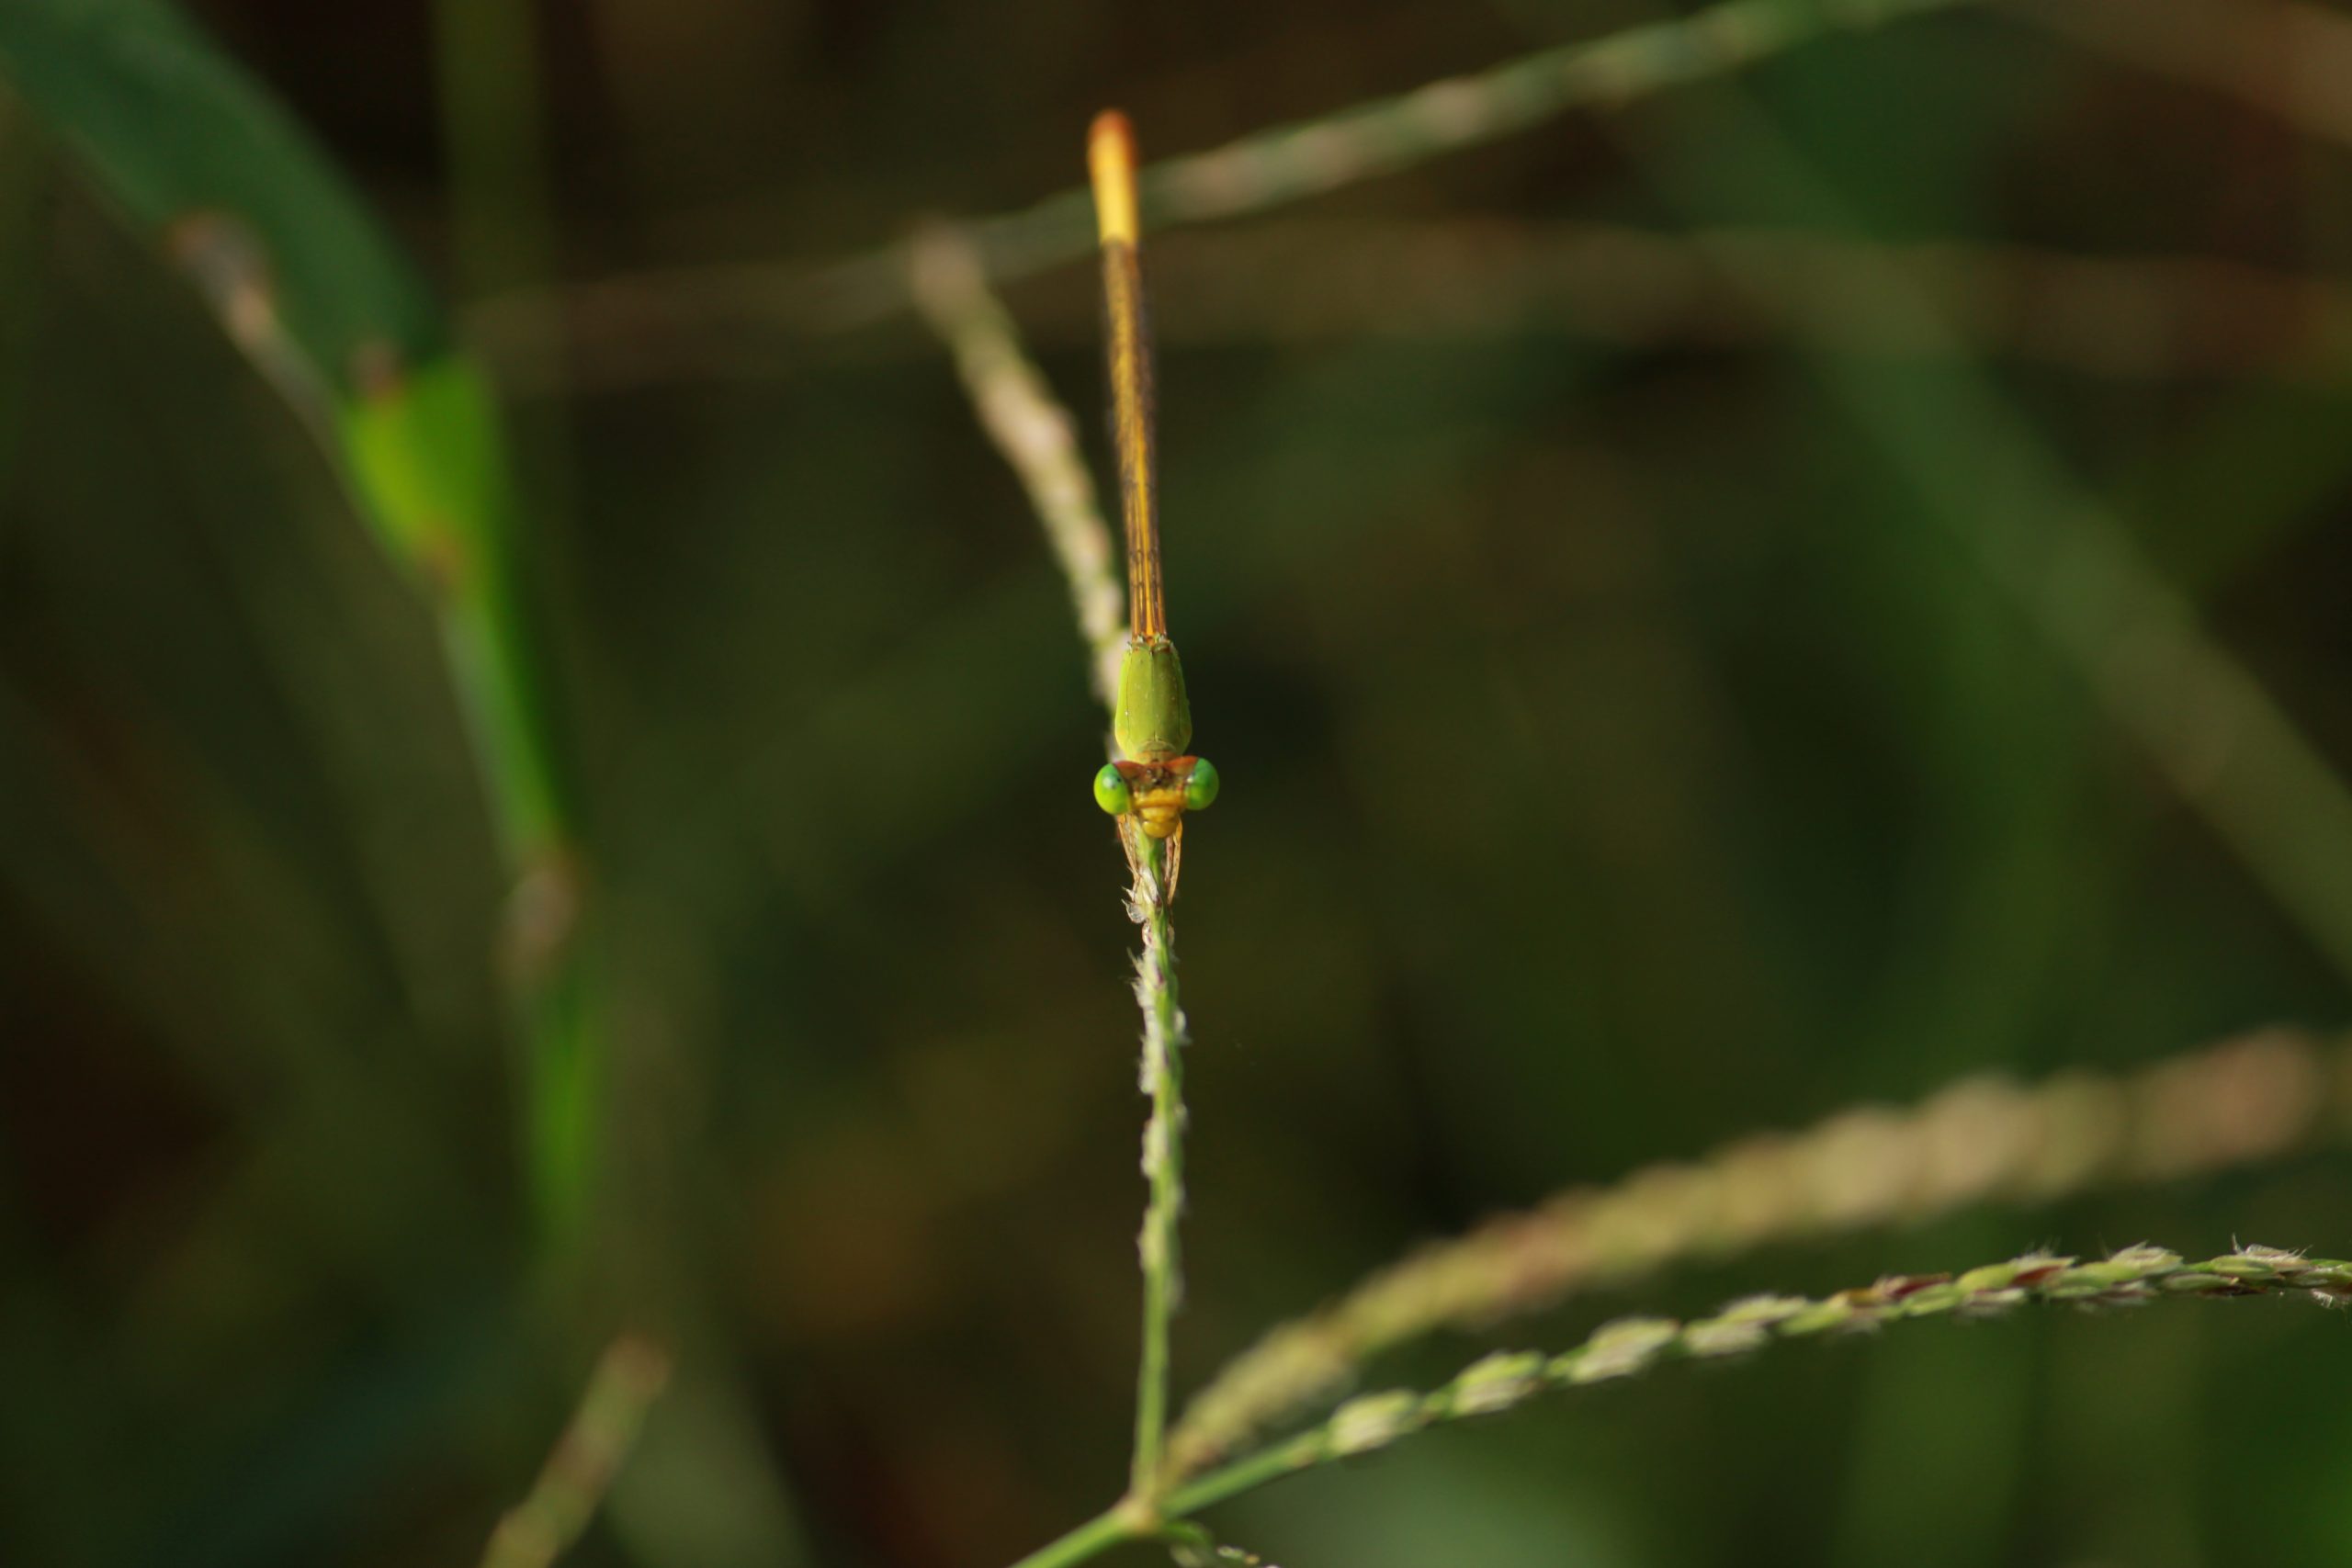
(1164, 1039)
(1113, 1528)
(543, 957)
(429, 465)
(566, 1087)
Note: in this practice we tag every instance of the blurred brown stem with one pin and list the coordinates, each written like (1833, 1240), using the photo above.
(627, 1378)
(2282, 58)
(1313, 279)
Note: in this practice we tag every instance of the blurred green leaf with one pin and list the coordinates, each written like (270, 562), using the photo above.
(181, 136)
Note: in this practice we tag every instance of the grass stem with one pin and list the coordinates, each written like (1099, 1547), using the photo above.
(1089, 1541)
(629, 1377)
(1164, 1039)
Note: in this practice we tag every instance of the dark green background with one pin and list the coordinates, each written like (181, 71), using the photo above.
(1624, 748)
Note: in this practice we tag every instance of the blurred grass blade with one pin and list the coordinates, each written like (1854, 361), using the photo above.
(24, 181)
(222, 181)
(180, 136)
(2281, 58)
(427, 457)
(2230, 749)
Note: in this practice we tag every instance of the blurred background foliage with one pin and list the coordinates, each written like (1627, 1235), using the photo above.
(1649, 713)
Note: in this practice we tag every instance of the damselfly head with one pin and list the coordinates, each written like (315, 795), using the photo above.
(1156, 795)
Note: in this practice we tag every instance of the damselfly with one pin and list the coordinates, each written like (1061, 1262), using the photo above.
(1156, 780)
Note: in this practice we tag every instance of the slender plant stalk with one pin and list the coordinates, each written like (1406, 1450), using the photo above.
(1164, 1040)
(427, 459)
(1281, 164)
(627, 1378)
(1114, 1528)
(1983, 1139)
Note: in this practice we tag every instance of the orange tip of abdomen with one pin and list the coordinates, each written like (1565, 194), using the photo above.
(1111, 160)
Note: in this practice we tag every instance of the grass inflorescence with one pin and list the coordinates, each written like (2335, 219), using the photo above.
(1632, 1346)
(1983, 1140)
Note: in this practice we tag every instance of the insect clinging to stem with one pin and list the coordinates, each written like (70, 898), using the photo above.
(1156, 779)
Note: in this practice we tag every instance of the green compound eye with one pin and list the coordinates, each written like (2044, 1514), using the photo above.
(1201, 787)
(1110, 791)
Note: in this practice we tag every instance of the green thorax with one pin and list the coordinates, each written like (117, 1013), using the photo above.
(1154, 721)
